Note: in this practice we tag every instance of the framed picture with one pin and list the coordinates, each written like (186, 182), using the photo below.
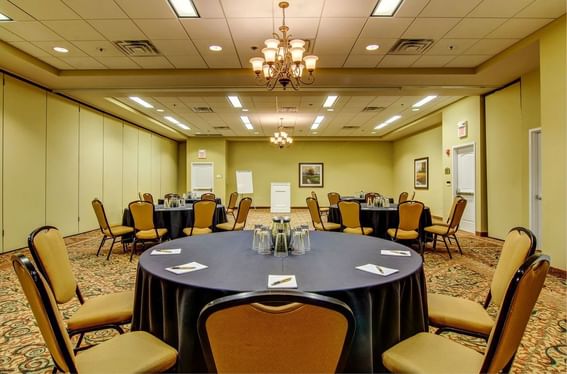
(421, 173)
(311, 174)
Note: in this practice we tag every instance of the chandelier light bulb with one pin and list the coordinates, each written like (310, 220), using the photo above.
(272, 43)
(310, 62)
(297, 54)
(270, 55)
(267, 71)
(257, 63)
(297, 43)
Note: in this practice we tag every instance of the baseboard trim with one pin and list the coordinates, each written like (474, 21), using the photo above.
(560, 273)
(482, 234)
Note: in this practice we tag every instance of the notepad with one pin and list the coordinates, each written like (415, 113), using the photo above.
(395, 252)
(377, 269)
(282, 281)
(186, 268)
(165, 251)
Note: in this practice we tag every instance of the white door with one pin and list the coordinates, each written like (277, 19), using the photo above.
(464, 183)
(202, 177)
(280, 198)
(535, 184)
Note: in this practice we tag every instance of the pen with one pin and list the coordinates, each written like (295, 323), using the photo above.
(177, 267)
(281, 281)
(379, 269)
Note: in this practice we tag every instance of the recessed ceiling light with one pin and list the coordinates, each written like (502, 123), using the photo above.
(184, 127)
(244, 110)
(387, 122)
(246, 122)
(198, 132)
(317, 122)
(415, 109)
(4, 17)
(172, 120)
(330, 101)
(184, 8)
(330, 110)
(314, 132)
(60, 49)
(386, 8)
(424, 101)
(256, 132)
(143, 103)
(235, 101)
(215, 48)
(373, 132)
(372, 47)
(160, 110)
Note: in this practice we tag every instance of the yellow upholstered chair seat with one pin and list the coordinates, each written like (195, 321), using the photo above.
(150, 234)
(227, 226)
(135, 352)
(197, 231)
(118, 230)
(357, 230)
(429, 353)
(329, 226)
(403, 234)
(459, 313)
(439, 229)
(103, 310)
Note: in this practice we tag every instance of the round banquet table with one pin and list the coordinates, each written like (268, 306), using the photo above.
(387, 308)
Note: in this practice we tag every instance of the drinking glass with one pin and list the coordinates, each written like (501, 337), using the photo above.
(298, 246)
(256, 238)
(306, 238)
(265, 241)
(280, 248)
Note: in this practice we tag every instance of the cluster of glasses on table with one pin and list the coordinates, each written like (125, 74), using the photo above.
(280, 239)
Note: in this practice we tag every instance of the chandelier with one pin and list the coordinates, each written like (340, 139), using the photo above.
(283, 60)
(281, 138)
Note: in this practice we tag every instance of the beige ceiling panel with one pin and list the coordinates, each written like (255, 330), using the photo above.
(115, 30)
(393, 61)
(251, 28)
(99, 9)
(56, 62)
(99, 48)
(199, 28)
(451, 47)
(411, 8)
(8, 36)
(340, 27)
(475, 27)
(147, 9)
(13, 11)
(499, 8)
(467, 61)
(448, 8)
(187, 62)
(384, 46)
(74, 30)
(73, 51)
(183, 47)
(46, 10)
(248, 8)
(346, 9)
(83, 63)
(227, 58)
(31, 49)
(385, 27)
(302, 28)
(300, 8)
(490, 46)
(333, 46)
(162, 28)
(118, 62)
(209, 8)
(153, 62)
(430, 28)
(519, 27)
(432, 61)
(544, 9)
(31, 31)
(362, 61)
(384, 101)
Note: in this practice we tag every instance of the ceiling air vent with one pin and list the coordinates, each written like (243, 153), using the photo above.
(137, 48)
(373, 109)
(411, 46)
(202, 109)
(289, 127)
(350, 127)
(287, 109)
(221, 128)
(208, 135)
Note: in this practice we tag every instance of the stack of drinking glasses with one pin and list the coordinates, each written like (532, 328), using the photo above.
(300, 241)
(262, 240)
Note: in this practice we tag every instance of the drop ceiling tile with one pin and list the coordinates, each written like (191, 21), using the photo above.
(544, 9)
(519, 27)
(448, 8)
(99, 48)
(331, 61)
(451, 47)
(46, 10)
(250, 28)
(333, 46)
(346, 9)
(430, 28)
(301, 8)
(227, 58)
(384, 44)
(31, 31)
(115, 30)
(187, 62)
(498, 8)
(248, 9)
(99, 9)
(117, 62)
(152, 62)
(74, 30)
(162, 28)
(13, 11)
(302, 28)
(396, 61)
(340, 27)
(362, 61)
(8, 36)
(490, 46)
(83, 63)
(147, 9)
(73, 50)
(385, 27)
(56, 62)
(432, 61)
(475, 27)
(182, 47)
(411, 8)
(467, 61)
(199, 28)
(30, 49)
(209, 8)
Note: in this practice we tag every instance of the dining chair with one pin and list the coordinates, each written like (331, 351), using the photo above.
(231, 207)
(276, 332)
(403, 197)
(148, 197)
(325, 210)
(454, 314)
(450, 229)
(242, 215)
(108, 231)
(334, 198)
(431, 353)
(133, 352)
(313, 206)
(143, 215)
(203, 218)
(208, 196)
(409, 215)
(109, 311)
(350, 218)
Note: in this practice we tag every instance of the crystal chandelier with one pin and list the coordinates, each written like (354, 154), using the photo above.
(283, 60)
(281, 138)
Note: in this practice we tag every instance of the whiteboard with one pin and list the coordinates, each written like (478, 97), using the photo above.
(244, 182)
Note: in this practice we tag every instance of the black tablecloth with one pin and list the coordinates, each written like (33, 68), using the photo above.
(380, 218)
(175, 219)
(387, 309)
(191, 201)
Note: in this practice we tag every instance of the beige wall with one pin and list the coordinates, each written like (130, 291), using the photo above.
(216, 151)
(424, 144)
(348, 167)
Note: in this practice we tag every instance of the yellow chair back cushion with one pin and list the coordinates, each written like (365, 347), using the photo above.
(204, 212)
(350, 213)
(143, 215)
(313, 210)
(409, 215)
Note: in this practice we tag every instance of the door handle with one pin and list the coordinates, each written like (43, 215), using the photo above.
(538, 197)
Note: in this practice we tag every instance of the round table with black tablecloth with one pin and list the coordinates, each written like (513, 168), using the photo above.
(387, 309)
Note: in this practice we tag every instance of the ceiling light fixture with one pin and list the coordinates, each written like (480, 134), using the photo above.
(281, 138)
(184, 127)
(424, 101)
(215, 48)
(184, 8)
(283, 60)
(235, 101)
(160, 110)
(386, 8)
(372, 47)
(317, 122)
(4, 17)
(387, 122)
(172, 120)
(246, 122)
(60, 49)
(330, 101)
(143, 103)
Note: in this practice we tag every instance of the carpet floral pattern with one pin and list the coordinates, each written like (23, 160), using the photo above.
(543, 348)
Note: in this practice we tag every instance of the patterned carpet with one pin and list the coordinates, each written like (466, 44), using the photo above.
(543, 348)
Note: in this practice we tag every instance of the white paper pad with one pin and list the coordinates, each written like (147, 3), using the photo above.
(282, 281)
(377, 269)
(395, 252)
(186, 268)
(166, 251)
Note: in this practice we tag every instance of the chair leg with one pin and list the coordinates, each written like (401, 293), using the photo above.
(79, 341)
(133, 249)
(434, 242)
(446, 246)
(110, 250)
(101, 244)
(458, 244)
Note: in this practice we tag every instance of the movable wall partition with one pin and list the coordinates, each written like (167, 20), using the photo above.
(58, 155)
